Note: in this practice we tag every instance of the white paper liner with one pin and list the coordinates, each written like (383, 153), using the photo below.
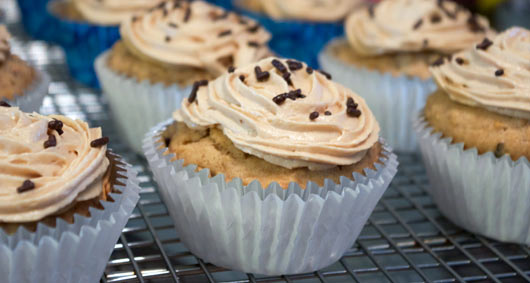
(137, 106)
(393, 100)
(75, 252)
(265, 231)
(481, 193)
(31, 100)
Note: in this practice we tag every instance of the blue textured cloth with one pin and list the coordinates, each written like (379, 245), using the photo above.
(36, 19)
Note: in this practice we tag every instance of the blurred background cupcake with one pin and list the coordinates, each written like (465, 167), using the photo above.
(387, 52)
(65, 198)
(85, 28)
(274, 141)
(167, 53)
(474, 136)
(20, 84)
(300, 28)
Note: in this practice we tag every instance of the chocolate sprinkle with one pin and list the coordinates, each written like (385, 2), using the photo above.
(474, 25)
(51, 142)
(279, 66)
(418, 24)
(485, 44)
(460, 61)
(253, 29)
(326, 74)
(187, 14)
(222, 16)
(261, 76)
(294, 65)
(351, 103)
(4, 104)
(293, 95)
(253, 44)
(242, 78)
(353, 112)
(26, 186)
(168, 39)
(309, 70)
(327, 113)
(231, 69)
(280, 98)
(287, 78)
(56, 125)
(99, 142)
(313, 115)
(225, 33)
(173, 25)
(436, 18)
(499, 72)
(440, 61)
(499, 151)
(195, 88)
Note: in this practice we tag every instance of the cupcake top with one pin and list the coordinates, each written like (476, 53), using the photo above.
(285, 113)
(396, 26)
(310, 10)
(494, 74)
(4, 44)
(47, 163)
(195, 34)
(111, 12)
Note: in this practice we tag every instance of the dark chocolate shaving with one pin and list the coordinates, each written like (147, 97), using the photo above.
(459, 61)
(225, 33)
(56, 125)
(261, 76)
(353, 112)
(231, 69)
(99, 142)
(242, 78)
(253, 29)
(485, 44)
(436, 18)
(279, 66)
(327, 113)
(26, 186)
(287, 78)
(440, 61)
(418, 24)
(195, 88)
(280, 98)
(309, 70)
(187, 14)
(499, 72)
(173, 25)
(253, 44)
(51, 142)
(313, 115)
(474, 25)
(294, 65)
(326, 74)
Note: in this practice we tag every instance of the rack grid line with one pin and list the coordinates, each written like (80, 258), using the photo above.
(405, 240)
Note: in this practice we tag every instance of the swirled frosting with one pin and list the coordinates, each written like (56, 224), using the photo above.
(413, 26)
(64, 174)
(197, 35)
(4, 44)
(492, 74)
(263, 114)
(311, 10)
(112, 12)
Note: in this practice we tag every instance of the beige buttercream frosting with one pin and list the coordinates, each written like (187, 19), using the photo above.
(494, 74)
(64, 174)
(112, 12)
(394, 26)
(4, 43)
(196, 34)
(287, 133)
(310, 10)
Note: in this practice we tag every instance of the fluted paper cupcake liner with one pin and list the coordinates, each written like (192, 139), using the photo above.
(75, 252)
(137, 106)
(296, 39)
(82, 42)
(31, 100)
(481, 193)
(393, 100)
(268, 231)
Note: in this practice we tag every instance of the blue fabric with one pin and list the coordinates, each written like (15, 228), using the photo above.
(36, 20)
(298, 39)
(227, 4)
(83, 43)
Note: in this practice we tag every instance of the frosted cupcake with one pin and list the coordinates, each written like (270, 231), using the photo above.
(300, 28)
(279, 142)
(86, 28)
(20, 84)
(64, 199)
(474, 136)
(388, 50)
(168, 52)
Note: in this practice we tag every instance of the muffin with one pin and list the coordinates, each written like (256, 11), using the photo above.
(474, 136)
(167, 52)
(20, 84)
(64, 197)
(387, 52)
(275, 141)
(300, 28)
(86, 28)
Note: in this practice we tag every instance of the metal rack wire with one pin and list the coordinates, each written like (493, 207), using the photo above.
(405, 240)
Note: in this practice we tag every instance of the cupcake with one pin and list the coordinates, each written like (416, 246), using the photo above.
(168, 52)
(474, 137)
(300, 28)
(86, 28)
(65, 198)
(20, 84)
(387, 53)
(271, 169)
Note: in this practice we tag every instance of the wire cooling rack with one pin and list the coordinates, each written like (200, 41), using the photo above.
(405, 240)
